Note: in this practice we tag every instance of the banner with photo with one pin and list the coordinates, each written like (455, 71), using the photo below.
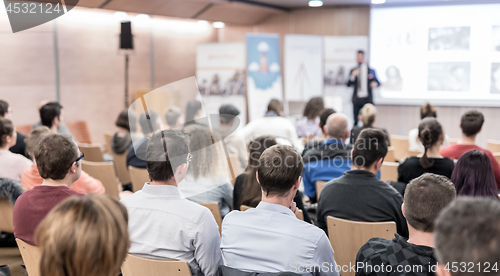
(264, 72)
(220, 73)
(303, 60)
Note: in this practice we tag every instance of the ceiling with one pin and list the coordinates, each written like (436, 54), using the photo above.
(241, 12)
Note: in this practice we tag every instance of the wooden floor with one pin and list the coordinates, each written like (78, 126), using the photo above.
(12, 258)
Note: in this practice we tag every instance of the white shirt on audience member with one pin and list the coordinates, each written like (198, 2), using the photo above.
(12, 165)
(162, 225)
(270, 238)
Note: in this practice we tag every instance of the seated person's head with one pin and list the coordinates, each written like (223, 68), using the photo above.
(314, 107)
(323, 116)
(370, 149)
(279, 171)
(468, 231)
(50, 115)
(336, 127)
(227, 113)
(368, 113)
(127, 120)
(473, 175)
(167, 156)
(430, 134)
(425, 197)
(84, 236)
(8, 134)
(275, 106)
(5, 110)
(427, 110)
(58, 158)
(173, 116)
(150, 122)
(193, 110)
(34, 138)
(471, 123)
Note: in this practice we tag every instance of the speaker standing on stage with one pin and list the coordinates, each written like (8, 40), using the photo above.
(362, 93)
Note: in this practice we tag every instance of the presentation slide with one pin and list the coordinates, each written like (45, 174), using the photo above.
(446, 55)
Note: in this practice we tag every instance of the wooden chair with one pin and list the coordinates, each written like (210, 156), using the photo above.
(401, 146)
(120, 161)
(493, 146)
(105, 172)
(234, 166)
(92, 152)
(389, 171)
(413, 153)
(31, 256)
(347, 237)
(319, 187)
(390, 155)
(138, 266)
(6, 211)
(138, 177)
(80, 131)
(299, 216)
(497, 156)
(107, 141)
(24, 129)
(214, 208)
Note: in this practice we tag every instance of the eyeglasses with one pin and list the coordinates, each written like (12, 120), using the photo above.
(190, 157)
(79, 158)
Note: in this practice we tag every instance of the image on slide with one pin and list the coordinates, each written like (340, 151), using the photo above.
(449, 38)
(394, 80)
(448, 76)
(495, 78)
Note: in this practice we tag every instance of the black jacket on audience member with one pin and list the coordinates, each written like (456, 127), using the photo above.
(410, 168)
(20, 146)
(359, 196)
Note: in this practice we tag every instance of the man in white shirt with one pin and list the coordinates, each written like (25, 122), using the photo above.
(270, 238)
(162, 225)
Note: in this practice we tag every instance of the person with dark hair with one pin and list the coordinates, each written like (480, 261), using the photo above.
(323, 116)
(194, 111)
(51, 114)
(233, 138)
(426, 110)
(150, 122)
(363, 86)
(58, 160)
(473, 175)
(20, 146)
(425, 197)
(329, 160)
(173, 117)
(430, 134)
(12, 165)
(122, 139)
(358, 195)
(471, 124)
(307, 127)
(270, 238)
(273, 124)
(164, 225)
(367, 115)
(467, 232)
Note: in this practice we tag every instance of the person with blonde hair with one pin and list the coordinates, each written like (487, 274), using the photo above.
(367, 116)
(84, 236)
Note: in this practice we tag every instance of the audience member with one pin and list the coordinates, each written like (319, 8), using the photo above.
(12, 165)
(233, 138)
(323, 116)
(275, 125)
(162, 225)
(126, 134)
(358, 195)
(150, 122)
(426, 110)
(467, 232)
(425, 197)
(430, 134)
(173, 117)
(331, 159)
(207, 180)
(51, 116)
(270, 238)
(84, 236)
(367, 116)
(194, 111)
(473, 175)
(471, 124)
(308, 125)
(247, 189)
(58, 160)
(20, 146)
(31, 178)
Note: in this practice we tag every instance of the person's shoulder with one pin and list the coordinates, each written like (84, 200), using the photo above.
(409, 161)
(372, 248)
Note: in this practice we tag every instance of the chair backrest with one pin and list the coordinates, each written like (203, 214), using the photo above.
(244, 207)
(105, 172)
(497, 156)
(138, 177)
(347, 237)
(319, 187)
(31, 256)
(80, 131)
(299, 216)
(6, 211)
(107, 141)
(214, 208)
(234, 166)
(401, 146)
(138, 266)
(24, 129)
(120, 161)
(412, 153)
(92, 152)
(493, 145)
(389, 171)
(390, 155)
